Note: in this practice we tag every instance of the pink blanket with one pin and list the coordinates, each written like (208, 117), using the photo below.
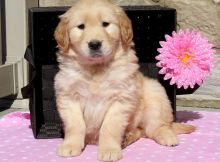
(17, 143)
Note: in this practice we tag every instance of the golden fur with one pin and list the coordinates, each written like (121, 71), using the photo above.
(101, 96)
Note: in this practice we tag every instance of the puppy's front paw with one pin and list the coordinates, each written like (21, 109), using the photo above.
(68, 150)
(109, 154)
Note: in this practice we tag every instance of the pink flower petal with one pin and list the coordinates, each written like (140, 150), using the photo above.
(167, 76)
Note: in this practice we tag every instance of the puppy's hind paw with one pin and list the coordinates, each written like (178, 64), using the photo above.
(167, 138)
(68, 150)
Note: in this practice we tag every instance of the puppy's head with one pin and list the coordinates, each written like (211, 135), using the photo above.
(94, 30)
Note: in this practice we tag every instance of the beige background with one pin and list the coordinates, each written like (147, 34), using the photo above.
(202, 15)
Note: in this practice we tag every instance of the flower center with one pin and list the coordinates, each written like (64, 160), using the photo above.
(185, 58)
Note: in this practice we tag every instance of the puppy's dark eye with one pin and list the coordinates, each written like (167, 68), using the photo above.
(105, 24)
(81, 26)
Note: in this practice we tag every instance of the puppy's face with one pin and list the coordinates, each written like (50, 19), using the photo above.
(94, 35)
(94, 30)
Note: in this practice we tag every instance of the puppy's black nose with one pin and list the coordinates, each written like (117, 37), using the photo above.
(95, 44)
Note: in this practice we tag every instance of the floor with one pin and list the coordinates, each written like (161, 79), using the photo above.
(201, 146)
(10, 110)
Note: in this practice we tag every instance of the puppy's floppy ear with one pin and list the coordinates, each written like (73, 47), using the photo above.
(61, 35)
(126, 29)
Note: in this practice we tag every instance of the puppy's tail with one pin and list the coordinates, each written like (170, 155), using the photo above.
(180, 128)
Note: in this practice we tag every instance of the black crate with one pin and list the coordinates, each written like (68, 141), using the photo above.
(150, 24)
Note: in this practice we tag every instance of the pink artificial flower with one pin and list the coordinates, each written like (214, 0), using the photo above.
(186, 58)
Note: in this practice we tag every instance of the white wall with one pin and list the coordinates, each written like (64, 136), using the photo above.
(16, 12)
(15, 30)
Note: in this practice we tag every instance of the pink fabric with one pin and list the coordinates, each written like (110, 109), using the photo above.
(17, 143)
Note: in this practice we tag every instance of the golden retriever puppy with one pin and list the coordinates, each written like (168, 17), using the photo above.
(101, 96)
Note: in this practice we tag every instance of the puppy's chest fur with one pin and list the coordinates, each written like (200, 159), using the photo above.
(98, 91)
(101, 91)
